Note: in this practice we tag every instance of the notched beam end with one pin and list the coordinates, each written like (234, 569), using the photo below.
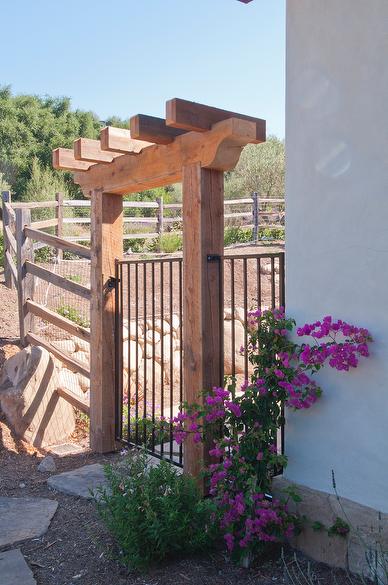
(63, 159)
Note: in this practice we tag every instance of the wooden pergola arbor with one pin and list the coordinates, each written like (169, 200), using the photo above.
(195, 144)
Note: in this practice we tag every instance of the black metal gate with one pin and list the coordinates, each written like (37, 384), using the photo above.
(149, 339)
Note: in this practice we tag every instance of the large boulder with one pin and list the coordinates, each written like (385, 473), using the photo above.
(239, 341)
(29, 400)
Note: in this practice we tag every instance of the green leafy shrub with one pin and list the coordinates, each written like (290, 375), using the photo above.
(71, 313)
(154, 512)
(237, 235)
(167, 243)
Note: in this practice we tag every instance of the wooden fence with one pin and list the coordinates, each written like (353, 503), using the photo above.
(21, 238)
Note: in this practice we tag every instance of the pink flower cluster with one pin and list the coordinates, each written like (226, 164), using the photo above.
(266, 521)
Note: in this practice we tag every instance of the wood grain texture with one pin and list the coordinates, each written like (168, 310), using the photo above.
(58, 320)
(74, 400)
(56, 242)
(90, 150)
(158, 165)
(191, 116)
(71, 363)
(6, 217)
(26, 282)
(57, 280)
(152, 129)
(120, 140)
(63, 160)
(203, 235)
(107, 245)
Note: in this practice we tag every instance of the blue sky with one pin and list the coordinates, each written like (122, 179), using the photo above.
(126, 57)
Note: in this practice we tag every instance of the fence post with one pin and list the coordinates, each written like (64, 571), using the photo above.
(106, 246)
(59, 216)
(203, 308)
(6, 198)
(25, 281)
(160, 215)
(255, 216)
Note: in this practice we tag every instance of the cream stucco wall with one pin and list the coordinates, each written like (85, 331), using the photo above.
(337, 232)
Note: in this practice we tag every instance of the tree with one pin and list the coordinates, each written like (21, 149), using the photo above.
(31, 127)
(261, 168)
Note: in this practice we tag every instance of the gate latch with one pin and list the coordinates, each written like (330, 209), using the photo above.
(213, 258)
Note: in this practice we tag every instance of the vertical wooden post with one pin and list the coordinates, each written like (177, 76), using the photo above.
(159, 201)
(25, 281)
(106, 246)
(203, 309)
(59, 216)
(6, 198)
(255, 214)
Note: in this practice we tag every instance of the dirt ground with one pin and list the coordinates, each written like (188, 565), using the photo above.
(77, 548)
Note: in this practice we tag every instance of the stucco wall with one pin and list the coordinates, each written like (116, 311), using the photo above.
(337, 233)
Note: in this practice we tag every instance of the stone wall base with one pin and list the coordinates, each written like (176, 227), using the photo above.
(363, 551)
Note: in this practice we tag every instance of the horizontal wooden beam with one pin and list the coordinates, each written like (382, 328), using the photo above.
(71, 363)
(34, 204)
(63, 160)
(190, 116)
(44, 223)
(159, 165)
(11, 238)
(57, 320)
(56, 242)
(86, 149)
(57, 280)
(120, 140)
(74, 400)
(152, 129)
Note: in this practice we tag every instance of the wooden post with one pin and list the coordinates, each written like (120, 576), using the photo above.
(6, 198)
(59, 216)
(159, 201)
(255, 216)
(25, 281)
(106, 246)
(203, 309)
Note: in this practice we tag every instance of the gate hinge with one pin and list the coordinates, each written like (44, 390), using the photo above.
(112, 282)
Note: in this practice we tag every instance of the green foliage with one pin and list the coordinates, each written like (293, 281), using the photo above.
(45, 254)
(31, 127)
(261, 168)
(237, 235)
(167, 243)
(154, 512)
(71, 313)
(74, 278)
(146, 431)
(339, 528)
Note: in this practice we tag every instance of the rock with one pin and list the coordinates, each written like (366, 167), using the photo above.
(83, 382)
(47, 465)
(65, 345)
(239, 341)
(14, 569)
(227, 313)
(24, 518)
(176, 357)
(166, 326)
(29, 400)
(239, 314)
(175, 323)
(166, 343)
(129, 331)
(82, 357)
(82, 345)
(130, 363)
(81, 482)
(152, 337)
(69, 381)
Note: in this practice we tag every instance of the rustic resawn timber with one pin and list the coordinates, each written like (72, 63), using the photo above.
(195, 144)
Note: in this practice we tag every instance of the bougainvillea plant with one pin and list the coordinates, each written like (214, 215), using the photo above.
(246, 457)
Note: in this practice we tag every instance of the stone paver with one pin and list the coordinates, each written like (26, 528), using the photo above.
(66, 449)
(14, 569)
(24, 518)
(79, 482)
